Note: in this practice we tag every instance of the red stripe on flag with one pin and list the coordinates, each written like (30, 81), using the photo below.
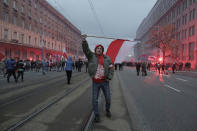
(114, 48)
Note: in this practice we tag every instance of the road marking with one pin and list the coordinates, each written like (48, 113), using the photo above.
(181, 79)
(172, 88)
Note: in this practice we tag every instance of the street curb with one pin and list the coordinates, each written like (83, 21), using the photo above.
(134, 121)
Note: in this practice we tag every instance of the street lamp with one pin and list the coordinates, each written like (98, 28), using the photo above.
(43, 61)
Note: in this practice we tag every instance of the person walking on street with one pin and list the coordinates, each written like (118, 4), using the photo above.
(158, 67)
(69, 64)
(100, 69)
(173, 68)
(44, 67)
(20, 68)
(11, 66)
(144, 73)
(79, 63)
(138, 65)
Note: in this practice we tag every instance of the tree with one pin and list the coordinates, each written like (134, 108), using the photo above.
(163, 38)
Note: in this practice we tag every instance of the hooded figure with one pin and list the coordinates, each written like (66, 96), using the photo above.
(100, 69)
(68, 69)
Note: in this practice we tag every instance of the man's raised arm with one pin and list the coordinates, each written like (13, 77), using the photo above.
(85, 47)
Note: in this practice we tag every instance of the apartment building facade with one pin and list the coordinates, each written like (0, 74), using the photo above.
(180, 13)
(29, 26)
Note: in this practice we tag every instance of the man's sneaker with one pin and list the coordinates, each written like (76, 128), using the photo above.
(108, 114)
(97, 118)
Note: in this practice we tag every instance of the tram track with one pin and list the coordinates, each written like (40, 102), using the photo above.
(16, 95)
(46, 105)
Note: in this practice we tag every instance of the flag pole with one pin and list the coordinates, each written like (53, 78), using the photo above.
(106, 37)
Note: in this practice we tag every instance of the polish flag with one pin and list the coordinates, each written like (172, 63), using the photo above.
(119, 49)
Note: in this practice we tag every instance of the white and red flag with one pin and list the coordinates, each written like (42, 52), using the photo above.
(119, 49)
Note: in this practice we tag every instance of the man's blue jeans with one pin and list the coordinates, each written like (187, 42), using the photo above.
(106, 91)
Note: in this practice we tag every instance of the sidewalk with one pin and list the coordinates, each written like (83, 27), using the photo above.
(120, 120)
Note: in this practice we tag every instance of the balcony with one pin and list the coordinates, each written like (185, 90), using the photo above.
(14, 40)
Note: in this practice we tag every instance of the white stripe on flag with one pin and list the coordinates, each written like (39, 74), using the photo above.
(124, 51)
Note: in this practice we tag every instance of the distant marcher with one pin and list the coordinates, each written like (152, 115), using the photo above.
(148, 66)
(173, 68)
(101, 71)
(138, 65)
(11, 67)
(167, 67)
(44, 67)
(144, 73)
(163, 68)
(69, 64)
(116, 66)
(79, 63)
(158, 67)
(20, 68)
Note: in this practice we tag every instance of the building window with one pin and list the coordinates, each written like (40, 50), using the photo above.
(23, 23)
(14, 4)
(41, 20)
(184, 19)
(191, 51)
(22, 8)
(15, 36)
(6, 17)
(192, 15)
(29, 13)
(22, 38)
(29, 39)
(191, 2)
(5, 33)
(30, 27)
(29, 2)
(5, 2)
(185, 32)
(184, 5)
(36, 17)
(14, 20)
(191, 30)
(35, 41)
(35, 6)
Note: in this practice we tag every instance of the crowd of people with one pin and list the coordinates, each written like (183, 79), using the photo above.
(161, 67)
(17, 67)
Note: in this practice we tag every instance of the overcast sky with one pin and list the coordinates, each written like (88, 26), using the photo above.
(110, 18)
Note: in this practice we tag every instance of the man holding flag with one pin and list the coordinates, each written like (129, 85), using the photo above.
(100, 69)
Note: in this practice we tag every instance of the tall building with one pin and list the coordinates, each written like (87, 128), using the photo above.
(181, 14)
(29, 26)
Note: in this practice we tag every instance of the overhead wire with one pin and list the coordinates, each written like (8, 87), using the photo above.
(96, 16)
(67, 15)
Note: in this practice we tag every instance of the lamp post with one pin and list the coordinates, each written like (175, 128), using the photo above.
(43, 61)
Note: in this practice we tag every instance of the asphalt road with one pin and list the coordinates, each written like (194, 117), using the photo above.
(160, 102)
(21, 99)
